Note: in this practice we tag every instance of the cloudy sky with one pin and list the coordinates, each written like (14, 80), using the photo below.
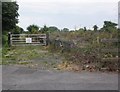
(67, 13)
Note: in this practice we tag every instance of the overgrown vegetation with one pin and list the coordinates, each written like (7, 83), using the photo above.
(87, 50)
(83, 48)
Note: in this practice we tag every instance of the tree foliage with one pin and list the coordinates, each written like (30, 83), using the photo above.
(95, 27)
(85, 29)
(109, 26)
(9, 19)
(17, 30)
(65, 30)
(9, 15)
(33, 29)
(44, 29)
(53, 29)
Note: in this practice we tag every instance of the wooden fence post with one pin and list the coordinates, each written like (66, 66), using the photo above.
(47, 39)
(9, 39)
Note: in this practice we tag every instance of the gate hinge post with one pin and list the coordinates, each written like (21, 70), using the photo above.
(9, 39)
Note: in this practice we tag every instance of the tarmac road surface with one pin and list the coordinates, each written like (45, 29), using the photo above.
(24, 78)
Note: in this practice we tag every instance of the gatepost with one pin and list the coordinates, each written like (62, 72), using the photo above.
(9, 39)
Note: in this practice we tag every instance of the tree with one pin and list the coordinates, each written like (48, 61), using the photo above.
(109, 26)
(80, 29)
(65, 30)
(44, 29)
(9, 15)
(33, 29)
(53, 29)
(85, 29)
(95, 27)
(17, 30)
(9, 19)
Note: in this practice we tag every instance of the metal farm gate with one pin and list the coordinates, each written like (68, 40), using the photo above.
(27, 39)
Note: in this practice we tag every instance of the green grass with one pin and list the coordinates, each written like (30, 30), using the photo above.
(21, 54)
(0, 56)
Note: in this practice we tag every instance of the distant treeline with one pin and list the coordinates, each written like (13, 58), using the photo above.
(10, 20)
